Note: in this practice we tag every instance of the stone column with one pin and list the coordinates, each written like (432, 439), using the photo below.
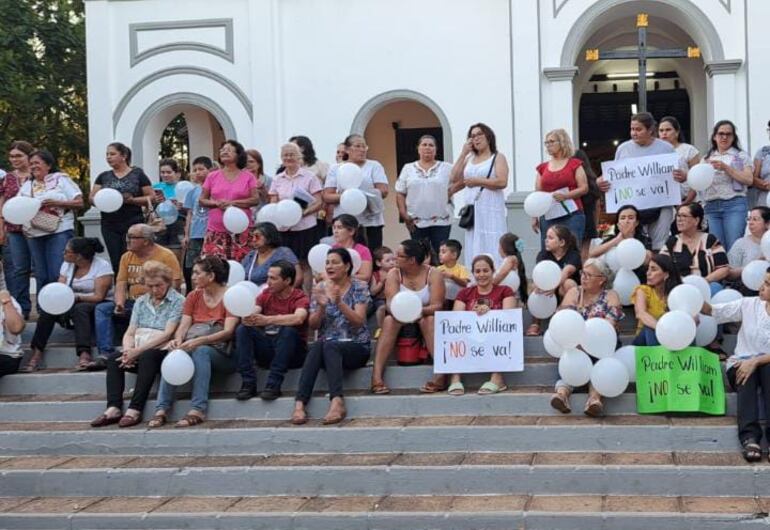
(723, 91)
(558, 113)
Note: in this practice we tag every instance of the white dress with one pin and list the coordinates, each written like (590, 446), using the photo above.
(490, 215)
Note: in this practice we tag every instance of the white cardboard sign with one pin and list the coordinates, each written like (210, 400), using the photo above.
(645, 182)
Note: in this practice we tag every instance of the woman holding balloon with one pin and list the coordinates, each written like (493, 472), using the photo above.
(747, 248)
(344, 230)
(627, 227)
(268, 250)
(651, 300)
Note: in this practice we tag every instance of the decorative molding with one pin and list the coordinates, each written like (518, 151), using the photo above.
(180, 70)
(726, 66)
(226, 53)
(557, 5)
(560, 73)
(727, 4)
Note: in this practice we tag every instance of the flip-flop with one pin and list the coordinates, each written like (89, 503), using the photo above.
(379, 389)
(431, 387)
(533, 331)
(456, 389)
(491, 388)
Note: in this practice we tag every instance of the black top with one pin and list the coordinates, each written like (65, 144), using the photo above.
(570, 258)
(132, 183)
(710, 256)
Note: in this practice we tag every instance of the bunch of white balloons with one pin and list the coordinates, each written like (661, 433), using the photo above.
(284, 214)
(546, 276)
(349, 178)
(627, 256)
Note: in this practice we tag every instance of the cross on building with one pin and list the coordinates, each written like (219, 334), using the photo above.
(641, 54)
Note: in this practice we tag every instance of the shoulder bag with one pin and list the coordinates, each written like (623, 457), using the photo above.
(468, 212)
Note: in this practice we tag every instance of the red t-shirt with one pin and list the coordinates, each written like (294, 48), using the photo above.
(551, 181)
(273, 305)
(470, 295)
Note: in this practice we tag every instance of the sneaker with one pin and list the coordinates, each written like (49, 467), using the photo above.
(246, 392)
(270, 394)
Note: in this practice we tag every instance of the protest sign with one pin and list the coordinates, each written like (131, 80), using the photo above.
(688, 380)
(645, 182)
(468, 343)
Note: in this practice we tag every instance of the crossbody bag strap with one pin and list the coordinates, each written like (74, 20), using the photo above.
(489, 174)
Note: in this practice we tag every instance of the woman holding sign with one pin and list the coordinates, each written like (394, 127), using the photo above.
(748, 369)
(483, 297)
(564, 177)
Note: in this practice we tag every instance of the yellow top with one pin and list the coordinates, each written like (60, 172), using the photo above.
(656, 306)
(458, 270)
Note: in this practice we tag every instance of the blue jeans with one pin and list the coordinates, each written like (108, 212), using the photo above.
(727, 219)
(277, 352)
(576, 222)
(47, 256)
(17, 263)
(434, 234)
(205, 359)
(104, 326)
(646, 337)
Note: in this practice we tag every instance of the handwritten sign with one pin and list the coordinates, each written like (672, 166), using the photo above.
(468, 343)
(645, 182)
(689, 380)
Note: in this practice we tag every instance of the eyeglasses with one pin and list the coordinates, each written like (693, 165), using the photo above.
(684, 216)
(725, 134)
(478, 135)
(589, 275)
(130, 237)
(550, 142)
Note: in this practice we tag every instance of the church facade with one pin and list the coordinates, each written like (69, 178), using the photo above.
(261, 71)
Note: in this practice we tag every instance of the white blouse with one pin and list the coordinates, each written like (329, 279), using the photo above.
(754, 335)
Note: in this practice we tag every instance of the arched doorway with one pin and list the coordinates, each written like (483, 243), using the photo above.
(392, 127)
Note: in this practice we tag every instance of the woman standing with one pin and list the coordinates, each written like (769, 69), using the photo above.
(565, 179)
(320, 169)
(651, 299)
(761, 184)
(170, 174)
(268, 250)
(231, 185)
(59, 196)
(374, 184)
(256, 166)
(725, 200)
(16, 256)
(483, 172)
(423, 199)
(135, 187)
(670, 131)
(338, 312)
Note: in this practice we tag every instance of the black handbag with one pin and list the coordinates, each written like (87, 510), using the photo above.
(468, 212)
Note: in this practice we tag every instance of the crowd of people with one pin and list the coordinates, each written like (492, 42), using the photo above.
(320, 320)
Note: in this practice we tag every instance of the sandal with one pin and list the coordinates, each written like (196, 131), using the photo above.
(594, 408)
(299, 417)
(752, 452)
(533, 330)
(379, 389)
(456, 389)
(159, 420)
(33, 365)
(84, 362)
(189, 420)
(561, 403)
(431, 387)
(491, 388)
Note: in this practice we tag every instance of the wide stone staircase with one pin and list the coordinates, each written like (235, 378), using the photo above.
(404, 461)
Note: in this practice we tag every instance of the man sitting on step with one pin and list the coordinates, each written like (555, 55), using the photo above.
(110, 316)
(275, 334)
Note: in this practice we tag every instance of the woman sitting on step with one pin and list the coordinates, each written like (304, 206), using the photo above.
(411, 274)
(338, 312)
(627, 226)
(483, 297)
(594, 298)
(204, 333)
(154, 319)
(748, 368)
(650, 299)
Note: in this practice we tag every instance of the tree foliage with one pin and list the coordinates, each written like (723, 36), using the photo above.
(43, 80)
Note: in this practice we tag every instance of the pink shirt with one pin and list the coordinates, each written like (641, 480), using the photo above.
(221, 189)
(362, 250)
(284, 187)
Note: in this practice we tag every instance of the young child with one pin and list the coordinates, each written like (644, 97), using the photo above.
(197, 218)
(510, 247)
(384, 260)
(456, 276)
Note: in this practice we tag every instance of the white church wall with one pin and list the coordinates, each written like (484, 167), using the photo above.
(758, 64)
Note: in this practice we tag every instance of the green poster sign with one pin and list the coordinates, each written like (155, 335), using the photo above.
(689, 380)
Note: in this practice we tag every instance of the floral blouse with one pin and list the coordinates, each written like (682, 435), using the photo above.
(335, 326)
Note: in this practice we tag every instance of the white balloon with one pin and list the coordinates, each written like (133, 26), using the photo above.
(537, 203)
(316, 258)
(541, 305)
(20, 210)
(183, 187)
(726, 295)
(575, 367)
(349, 176)
(288, 213)
(687, 298)
(631, 254)
(700, 176)
(406, 307)
(267, 214)
(512, 280)
(764, 244)
(553, 349)
(624, 284)
(353, 201)
(753, 274)
(567, 328)
(611, 259)
(600, 338)
(56, 298)
(255, 289)
(177, 367)
(240, 301)
(627, 355)
(235, 220)
(356, 257)
(546, 275)
(108, 200)
(701, 283)
(675, 330)
(167, 212)
(706, 331)
(236, 274)
(609, 377)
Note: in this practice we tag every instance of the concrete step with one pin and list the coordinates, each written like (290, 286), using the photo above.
(524, 402)
(461, 512)
(381, 435)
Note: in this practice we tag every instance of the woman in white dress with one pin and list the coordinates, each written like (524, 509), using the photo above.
(483, 172)
(670, 130)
